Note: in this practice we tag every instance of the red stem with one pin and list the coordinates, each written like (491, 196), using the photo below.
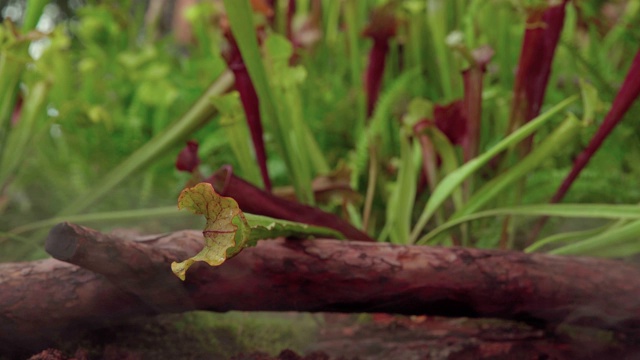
(538, 48)
(375, 71)
(628, 93)
(257, 201)
(251, 105)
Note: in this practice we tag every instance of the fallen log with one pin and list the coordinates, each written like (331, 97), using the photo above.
(108, 278)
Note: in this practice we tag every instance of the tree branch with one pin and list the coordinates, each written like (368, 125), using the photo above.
(118, 278)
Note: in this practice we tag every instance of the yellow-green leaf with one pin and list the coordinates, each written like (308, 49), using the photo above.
(226, 232)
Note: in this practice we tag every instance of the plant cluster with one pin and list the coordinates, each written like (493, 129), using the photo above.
(428, 122)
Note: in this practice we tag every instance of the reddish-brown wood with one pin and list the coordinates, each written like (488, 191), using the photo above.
(107, 278)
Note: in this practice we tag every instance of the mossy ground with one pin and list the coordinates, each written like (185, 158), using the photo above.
(195, 335)
(282, 336)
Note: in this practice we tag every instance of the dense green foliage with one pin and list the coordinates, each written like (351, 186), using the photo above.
(110, 90)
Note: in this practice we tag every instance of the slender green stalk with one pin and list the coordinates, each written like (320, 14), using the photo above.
(10, 62)
(449, 164)
(469, 23)
(18, 140)
(371, 188)
(437, 19)
(331, 18)
(316, 155)
(300, 145)
(11, 66)
(400, 204)
(271, 103)
(32, 14)
(415, 31)
(110, 216)
(353, 33)
(232, 119)
(13, 58)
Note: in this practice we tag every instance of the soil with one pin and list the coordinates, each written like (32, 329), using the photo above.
(338, 337)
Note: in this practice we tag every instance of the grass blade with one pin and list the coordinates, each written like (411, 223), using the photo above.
(402, 198)
(605, 242)
(603, 211)
(453, 180)
(558, 139)
(566, 238)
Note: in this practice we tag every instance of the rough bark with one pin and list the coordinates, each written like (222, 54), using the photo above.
(108, 278)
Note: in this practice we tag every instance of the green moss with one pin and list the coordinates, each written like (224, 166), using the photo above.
(197, 335)
(254, 331)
